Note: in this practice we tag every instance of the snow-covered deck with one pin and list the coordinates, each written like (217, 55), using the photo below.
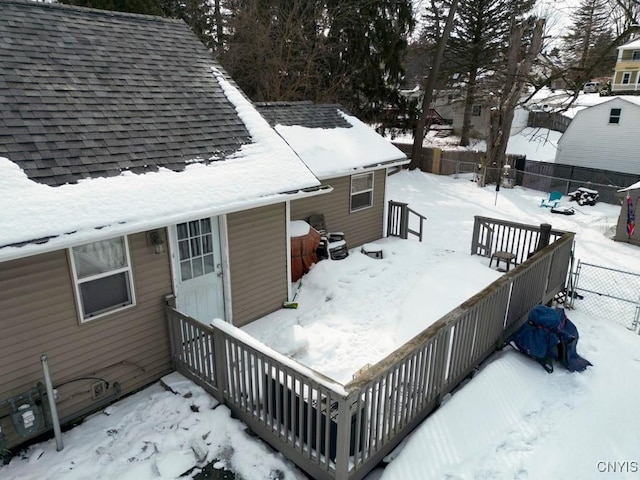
(354, 312)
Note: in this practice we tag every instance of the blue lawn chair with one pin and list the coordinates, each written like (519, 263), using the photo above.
(553, 201)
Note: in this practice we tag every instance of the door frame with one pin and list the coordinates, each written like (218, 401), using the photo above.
(172, 231)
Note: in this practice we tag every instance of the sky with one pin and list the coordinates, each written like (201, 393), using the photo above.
(511, 421)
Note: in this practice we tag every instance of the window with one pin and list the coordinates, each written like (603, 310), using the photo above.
(102, 277)
(636, 55)
(476, 110)
(361, 191)
(195, 246)
(626, 78)
(614, 116)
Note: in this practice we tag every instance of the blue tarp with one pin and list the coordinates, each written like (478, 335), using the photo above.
(549, 335)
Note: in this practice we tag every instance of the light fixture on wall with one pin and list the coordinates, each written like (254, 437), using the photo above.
(155, 239)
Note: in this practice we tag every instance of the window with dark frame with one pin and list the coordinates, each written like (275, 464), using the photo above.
(614, 115)
(476, 110)
(102, 277)
(361, 191)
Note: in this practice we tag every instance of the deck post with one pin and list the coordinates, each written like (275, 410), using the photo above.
(343, 439)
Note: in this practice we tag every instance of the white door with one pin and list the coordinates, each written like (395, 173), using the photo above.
(198, 269)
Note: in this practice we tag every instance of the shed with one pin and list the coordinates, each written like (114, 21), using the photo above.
(629, 197)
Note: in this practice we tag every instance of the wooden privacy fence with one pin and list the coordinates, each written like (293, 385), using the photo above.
(342, 432)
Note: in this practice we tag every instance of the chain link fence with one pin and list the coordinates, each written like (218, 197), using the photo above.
(607, 293)
(535, 181)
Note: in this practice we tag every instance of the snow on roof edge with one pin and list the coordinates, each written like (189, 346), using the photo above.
(263, 171)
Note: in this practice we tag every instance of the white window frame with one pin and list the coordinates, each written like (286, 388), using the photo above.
(626, 78)
(79, 281)
(635, 55)
(616, 116)
(360, 192)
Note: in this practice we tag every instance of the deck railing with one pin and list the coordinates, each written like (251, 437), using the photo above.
(399, 217)
(491, 235)
(343, 432)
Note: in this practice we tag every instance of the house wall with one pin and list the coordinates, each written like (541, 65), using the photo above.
(359, 227)
(39, 317)
(619, 75)
(454, 110)
(257, 262)
(626, 55)
(591, 141)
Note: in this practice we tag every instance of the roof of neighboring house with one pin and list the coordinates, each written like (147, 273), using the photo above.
(635, 43)
(113, 122)
(630, 188)
(328, 139)
(632, 99)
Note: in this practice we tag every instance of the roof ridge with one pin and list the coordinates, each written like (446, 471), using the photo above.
(91, 11)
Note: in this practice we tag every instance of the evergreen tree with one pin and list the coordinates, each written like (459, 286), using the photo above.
(365, 43)
(478, 42)
(589, 40)
(198, 14)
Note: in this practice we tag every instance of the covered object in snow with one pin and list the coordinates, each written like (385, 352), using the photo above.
(549, 335)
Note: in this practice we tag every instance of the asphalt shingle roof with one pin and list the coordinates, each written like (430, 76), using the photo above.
(304, 114)
(88, 93)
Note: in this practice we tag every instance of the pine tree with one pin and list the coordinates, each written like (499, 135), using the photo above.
(480, 37)
(366, 42)
(198, 14)
(589, 39)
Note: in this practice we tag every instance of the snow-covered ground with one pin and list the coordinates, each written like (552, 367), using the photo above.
(511, 421)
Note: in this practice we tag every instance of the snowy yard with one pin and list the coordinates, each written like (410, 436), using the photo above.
(512, 421)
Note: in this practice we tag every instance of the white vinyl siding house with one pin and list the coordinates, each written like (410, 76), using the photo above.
(604, 136)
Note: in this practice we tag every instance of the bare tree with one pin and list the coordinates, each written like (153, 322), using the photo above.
(425, 116)
(519, 62)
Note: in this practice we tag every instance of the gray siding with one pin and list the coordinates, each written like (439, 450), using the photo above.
(592, 142)
(39, 317)
(257, 262)
(359, 227)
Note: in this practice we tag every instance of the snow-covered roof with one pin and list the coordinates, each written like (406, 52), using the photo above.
(259, 173)
(54, 194)
(635, 186)
(635, 43)
(330, 141)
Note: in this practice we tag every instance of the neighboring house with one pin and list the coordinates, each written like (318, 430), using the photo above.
(622, 230)
(450, 104)
(132, 168)
(604, 137)
(626, 78)
(343, 153)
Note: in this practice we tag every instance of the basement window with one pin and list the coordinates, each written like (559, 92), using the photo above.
(614, 116)
(361, 191)
(102, 277)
